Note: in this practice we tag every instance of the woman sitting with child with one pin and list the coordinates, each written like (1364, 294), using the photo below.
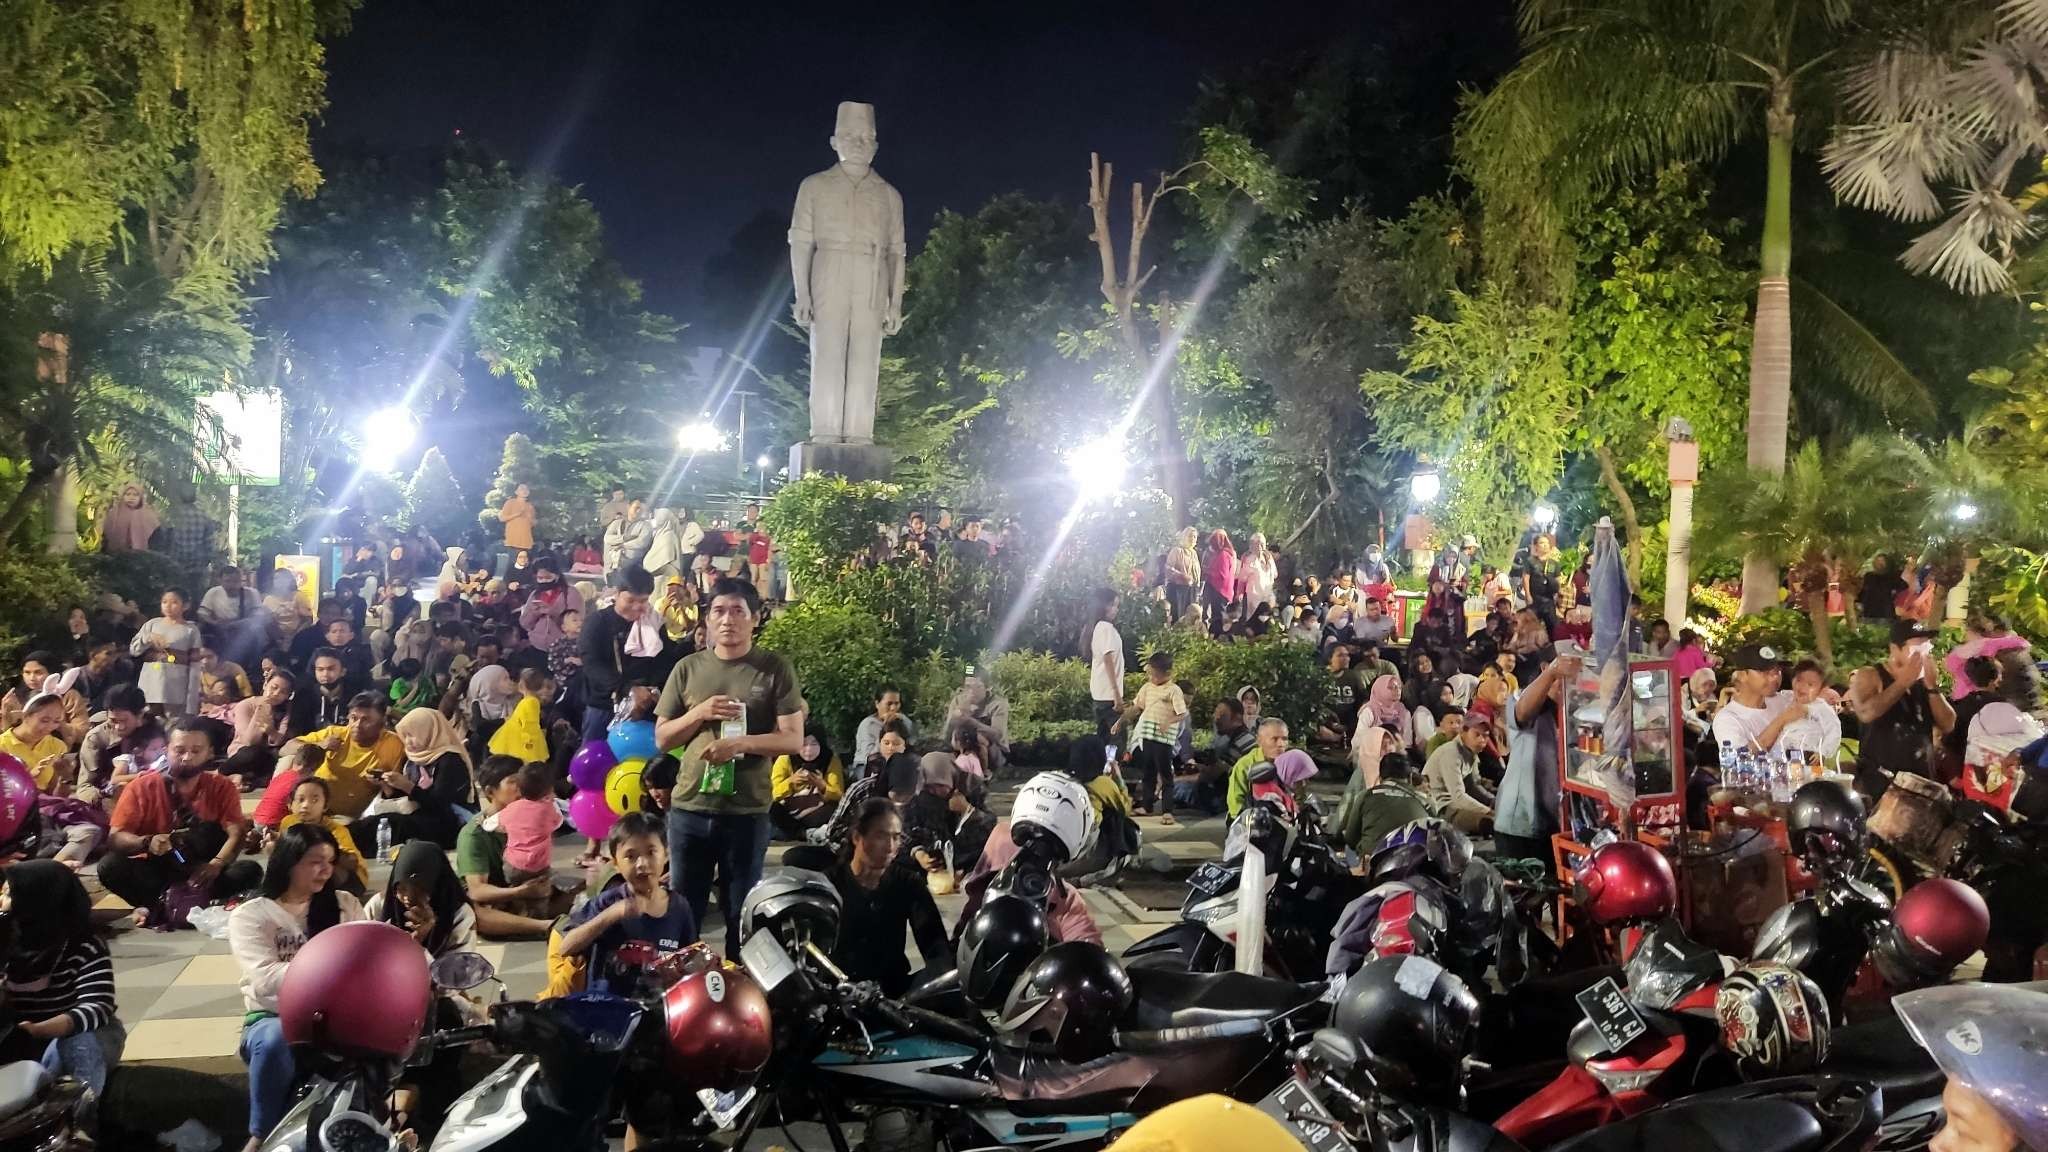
(309, 806)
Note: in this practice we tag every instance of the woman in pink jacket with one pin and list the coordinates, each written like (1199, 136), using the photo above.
(1066, 915)
(1219, 579)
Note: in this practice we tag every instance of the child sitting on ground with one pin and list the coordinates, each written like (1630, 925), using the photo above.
(529, 825)
(309, 806)
(297, 758)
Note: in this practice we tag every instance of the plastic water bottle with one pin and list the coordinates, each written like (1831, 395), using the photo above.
(1730, 765)
(384, 840)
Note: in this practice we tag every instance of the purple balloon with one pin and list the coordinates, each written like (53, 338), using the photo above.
(591, 764)
(590, 814)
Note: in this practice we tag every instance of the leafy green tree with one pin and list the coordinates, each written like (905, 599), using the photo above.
(1822, 515)
(433, 499)
(150, 146)
(1608, 91)
(519, 465)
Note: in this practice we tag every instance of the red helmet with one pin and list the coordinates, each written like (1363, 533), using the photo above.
(1623, 881)
(359, 989)
(1937, 925)
(719, 1033)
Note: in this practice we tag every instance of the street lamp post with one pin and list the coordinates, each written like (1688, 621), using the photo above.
(761, 464)
(1682, 466)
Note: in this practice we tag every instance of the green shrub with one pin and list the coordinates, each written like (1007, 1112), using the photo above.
(840, 654)
(36, 593)
(928, 684)
(823, 521)
(1041, 688)
(1293, 684)
(138, 576)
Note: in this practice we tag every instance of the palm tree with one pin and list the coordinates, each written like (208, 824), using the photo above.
(1608, 91)
(1818, 515)
(1957, 102)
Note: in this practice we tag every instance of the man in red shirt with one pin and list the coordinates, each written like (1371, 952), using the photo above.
(181, 825)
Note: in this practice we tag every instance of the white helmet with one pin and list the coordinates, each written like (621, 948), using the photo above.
(1055, 804)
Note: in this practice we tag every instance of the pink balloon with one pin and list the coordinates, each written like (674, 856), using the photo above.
(591, 764)
(590, 814)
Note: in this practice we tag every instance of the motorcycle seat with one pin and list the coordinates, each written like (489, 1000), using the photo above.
(1169, 999)
(1742, 1126)
(1035, 1084)
(1883, 1052)
(21, 1082)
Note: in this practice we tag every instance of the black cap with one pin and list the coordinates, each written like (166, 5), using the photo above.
(1754, 658)
(1907, 631)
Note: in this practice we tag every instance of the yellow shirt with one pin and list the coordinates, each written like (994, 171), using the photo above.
(520, 736)
(342, 840)
(785, 767)
(348, 767)
(40, 760)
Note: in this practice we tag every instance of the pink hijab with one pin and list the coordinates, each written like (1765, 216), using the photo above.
(1385, 701)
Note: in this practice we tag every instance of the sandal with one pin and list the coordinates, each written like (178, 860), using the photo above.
(1166, 819)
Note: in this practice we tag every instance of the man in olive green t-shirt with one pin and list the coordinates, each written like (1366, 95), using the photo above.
(730, 709)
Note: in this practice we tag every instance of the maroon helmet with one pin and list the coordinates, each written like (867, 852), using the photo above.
(1624, 881)
(359, 989)
(719, 1031)
(1937, 925)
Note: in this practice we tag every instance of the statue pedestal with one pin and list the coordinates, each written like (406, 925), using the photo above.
(853, 461)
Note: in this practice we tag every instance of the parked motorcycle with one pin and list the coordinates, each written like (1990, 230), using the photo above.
(918, 1078)
(1308, 887)
(42, 1112)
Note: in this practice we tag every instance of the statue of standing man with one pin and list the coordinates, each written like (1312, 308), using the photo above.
(846, 256)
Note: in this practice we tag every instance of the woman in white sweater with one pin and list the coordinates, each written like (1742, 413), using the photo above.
(297, 903)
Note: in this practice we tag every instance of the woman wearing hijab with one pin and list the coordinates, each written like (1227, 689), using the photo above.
(129, 522)
(664, 546)
(60, 979)
(426, 899)
(436, 776)
(1383, 703)
(1219, 579)
(806, 787)
(541, 615)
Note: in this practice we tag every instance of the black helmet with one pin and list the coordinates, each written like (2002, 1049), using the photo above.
(797, 905)
(1068, 1003)
(1825, 821)
(1428, 845)
(1415, 1018)
(1774, 1021)
(1006, 933)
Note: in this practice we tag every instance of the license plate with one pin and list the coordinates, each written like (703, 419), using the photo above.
(766, 961)
(1212, 878)
(724, 1107)
(1297, 1108)
(1616, 1019)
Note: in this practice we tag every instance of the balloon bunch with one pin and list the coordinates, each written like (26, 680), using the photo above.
(606, 774)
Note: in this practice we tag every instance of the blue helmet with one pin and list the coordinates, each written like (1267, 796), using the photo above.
(1993, 1038)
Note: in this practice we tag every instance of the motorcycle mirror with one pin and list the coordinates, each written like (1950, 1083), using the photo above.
(1335, 1050)
(356, 1132)
(461, 971)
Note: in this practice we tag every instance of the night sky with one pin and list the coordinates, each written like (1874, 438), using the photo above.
(683, 121)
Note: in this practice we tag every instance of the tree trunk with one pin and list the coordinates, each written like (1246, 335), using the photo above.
(64, 514)
(33, 488)
(1770, 355)
(1678, 558)
(1632, 528)
(1329, 498)
(1120, 287)
(1823, 629)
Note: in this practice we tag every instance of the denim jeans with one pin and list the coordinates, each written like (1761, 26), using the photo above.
(731, 846)
(271, 1072)
(87, 1056)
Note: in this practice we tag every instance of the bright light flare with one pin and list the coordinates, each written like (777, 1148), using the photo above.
(763, 461)
(700, 436)
(1543, 515)
(386, 435)
(1425, 486)
(1965, 512)
(1098, 468)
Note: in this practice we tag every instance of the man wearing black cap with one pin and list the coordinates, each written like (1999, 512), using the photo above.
(1741, 722)
(1900, 711)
